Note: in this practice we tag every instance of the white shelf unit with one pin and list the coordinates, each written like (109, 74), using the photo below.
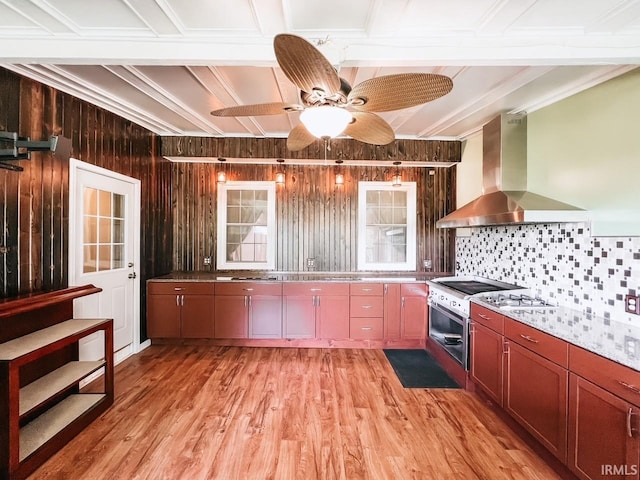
(41, 416)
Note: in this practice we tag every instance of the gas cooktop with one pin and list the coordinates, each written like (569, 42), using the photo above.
(513, 301)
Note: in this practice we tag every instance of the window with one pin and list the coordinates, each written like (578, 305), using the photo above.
(386, 226)
(246, 225)
(103, 230)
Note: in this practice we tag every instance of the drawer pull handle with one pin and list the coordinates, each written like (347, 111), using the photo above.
(629, 387)
(315, 289)
(529, 339)
(367, 306)
(366, 329)
(178, 289)
(367, 289)
(629, 429)
(248, 289)
(484, 316)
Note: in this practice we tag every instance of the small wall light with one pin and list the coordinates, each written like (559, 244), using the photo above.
(280, 177)
(222, 176)
(397, 176)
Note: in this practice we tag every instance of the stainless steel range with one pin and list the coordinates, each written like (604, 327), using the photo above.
(449, 306)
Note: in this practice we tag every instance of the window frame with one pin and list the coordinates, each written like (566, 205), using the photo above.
(410, 263)
(221, 256)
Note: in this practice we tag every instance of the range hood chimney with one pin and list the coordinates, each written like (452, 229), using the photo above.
(505, 199)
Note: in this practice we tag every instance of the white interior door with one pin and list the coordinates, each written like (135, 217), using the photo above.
(104, 251)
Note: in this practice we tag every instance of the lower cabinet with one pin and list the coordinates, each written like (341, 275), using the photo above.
(366, 311)
(536, 396)
(603, 433)
(413, 311)
(316, 310)
(180, 309)
(487, 353)
(248, 310)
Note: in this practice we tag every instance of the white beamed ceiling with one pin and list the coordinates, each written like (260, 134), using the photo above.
(165, 64)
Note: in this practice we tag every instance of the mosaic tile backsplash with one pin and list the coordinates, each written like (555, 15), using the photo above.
(560, 262)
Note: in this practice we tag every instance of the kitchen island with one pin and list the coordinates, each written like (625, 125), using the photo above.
(328, 309)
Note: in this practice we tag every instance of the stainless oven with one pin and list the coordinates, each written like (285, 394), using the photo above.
(449, 306)
(451, 331)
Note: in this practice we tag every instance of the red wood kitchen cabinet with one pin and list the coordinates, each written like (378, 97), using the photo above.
(487, 355)
(366, 312)
(536, 384)
(248, 310)
(604, 413)
(413, 311)
(180, 309)
(391, 320)
(316, 310)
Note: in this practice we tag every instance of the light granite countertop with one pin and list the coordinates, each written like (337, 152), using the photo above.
(616, 340)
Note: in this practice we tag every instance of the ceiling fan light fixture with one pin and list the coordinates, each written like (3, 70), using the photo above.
(325, 121)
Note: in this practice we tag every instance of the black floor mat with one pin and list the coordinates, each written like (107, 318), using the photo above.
(418, 369)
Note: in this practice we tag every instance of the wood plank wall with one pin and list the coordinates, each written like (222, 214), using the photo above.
(315, 219)
(34, 215)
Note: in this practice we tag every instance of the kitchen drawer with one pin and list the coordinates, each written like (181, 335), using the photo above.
(366, 288)
(614, 377)
(543, 344)
(414, 289)
(364, 306)
(488, 318)
(248, 288)
(170, 288)
(315, 288)
(366, 328)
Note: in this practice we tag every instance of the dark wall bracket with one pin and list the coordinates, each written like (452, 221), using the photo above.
(14, 148)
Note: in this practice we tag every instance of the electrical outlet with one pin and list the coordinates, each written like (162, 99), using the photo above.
(428, 264)
(631, 304)
(207, 260)
(631, 346)
(311, 262)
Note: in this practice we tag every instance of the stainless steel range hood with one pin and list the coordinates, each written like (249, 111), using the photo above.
(505, 198)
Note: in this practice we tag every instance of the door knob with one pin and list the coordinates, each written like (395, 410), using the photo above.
(130, 264)
(132, 275)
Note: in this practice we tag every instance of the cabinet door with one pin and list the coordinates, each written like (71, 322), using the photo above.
(231, 316)
(392, 330)
(333, 316)
(603, 433)
(163, 316)
(487, 360)
(265, 316)
(299, 316)
(413, 318)
(536, 396)
(197, 316)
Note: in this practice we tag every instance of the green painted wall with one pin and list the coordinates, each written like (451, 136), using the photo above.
(585, 150)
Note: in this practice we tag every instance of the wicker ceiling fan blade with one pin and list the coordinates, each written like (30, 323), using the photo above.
(393, 92)
(299, 138)
(275, 108)
(370, 128)
(304, 65)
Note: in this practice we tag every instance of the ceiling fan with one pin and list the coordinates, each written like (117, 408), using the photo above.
(330, 106)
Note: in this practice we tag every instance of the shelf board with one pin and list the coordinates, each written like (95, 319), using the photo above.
(32, 342)
(55, 382)
(53, 421)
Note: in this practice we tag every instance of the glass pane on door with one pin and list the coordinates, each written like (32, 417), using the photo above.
(103, 230)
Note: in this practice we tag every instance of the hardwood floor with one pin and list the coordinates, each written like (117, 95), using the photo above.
(197, 412)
